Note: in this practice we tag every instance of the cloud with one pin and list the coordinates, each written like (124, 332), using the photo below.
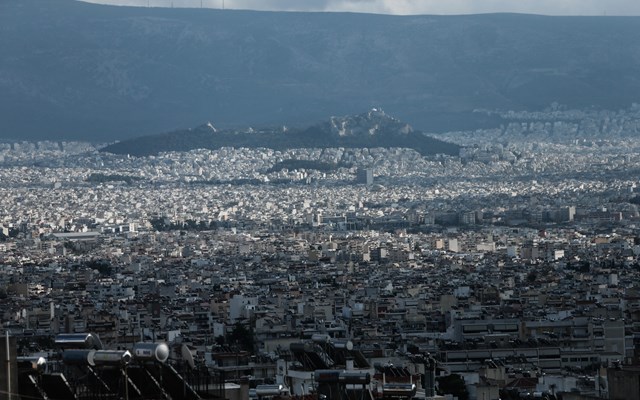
(406, 7)
(549, 7)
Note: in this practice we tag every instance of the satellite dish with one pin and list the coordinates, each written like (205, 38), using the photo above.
(187, 356)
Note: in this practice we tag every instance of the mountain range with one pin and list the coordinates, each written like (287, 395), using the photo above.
(371, 129)
(74, 70)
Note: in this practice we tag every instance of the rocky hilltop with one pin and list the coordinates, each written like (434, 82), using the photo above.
(372, 123)
(372, 129)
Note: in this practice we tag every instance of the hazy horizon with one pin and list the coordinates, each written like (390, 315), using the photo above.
(409, 7)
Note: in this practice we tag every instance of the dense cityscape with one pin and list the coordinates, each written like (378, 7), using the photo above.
(509, 271)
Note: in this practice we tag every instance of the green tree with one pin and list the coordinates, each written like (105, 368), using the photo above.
(454, 385)
(241, 336)
(103, 267)
(532, 276)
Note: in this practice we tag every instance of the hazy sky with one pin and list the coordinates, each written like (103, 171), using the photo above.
(550, 7)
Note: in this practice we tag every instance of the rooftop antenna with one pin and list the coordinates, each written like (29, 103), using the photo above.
(10, 396)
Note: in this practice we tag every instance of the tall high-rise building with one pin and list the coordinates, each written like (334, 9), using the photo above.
(365, 176)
